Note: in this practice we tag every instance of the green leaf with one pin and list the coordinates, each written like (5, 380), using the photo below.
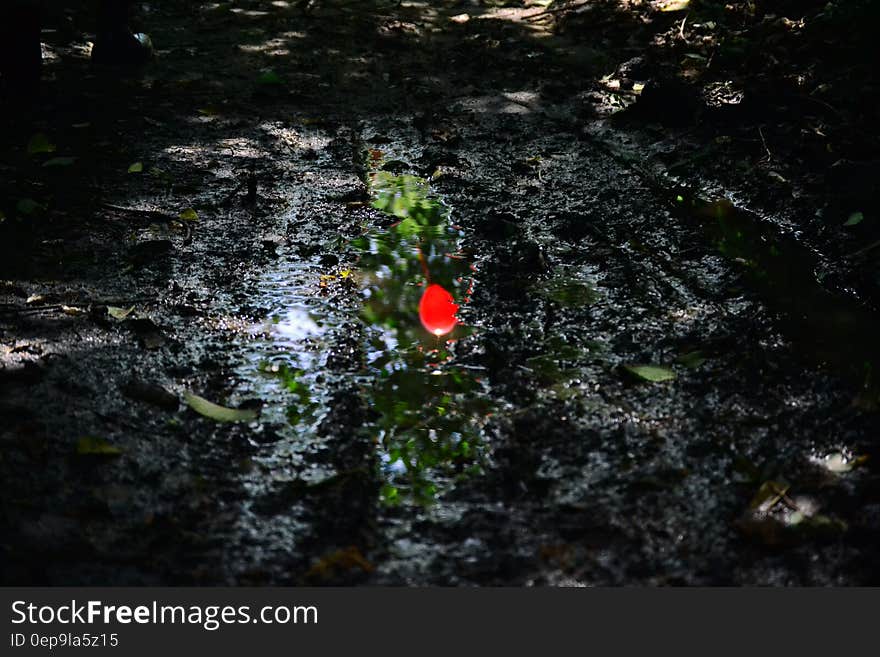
(692, 359)
(216, 412)
(269, 78)
(854, 219)
(40, 143)
(408, 227)
(28, 206)
(137, 167)
(119, 313)
(189, 215)
(91, 446)
(59, 162)
(389, 494)
(652, 373)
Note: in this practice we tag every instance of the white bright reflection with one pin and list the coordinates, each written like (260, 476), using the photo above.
(297, 324)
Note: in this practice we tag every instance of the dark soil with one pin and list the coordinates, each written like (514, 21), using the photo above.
(621, 186)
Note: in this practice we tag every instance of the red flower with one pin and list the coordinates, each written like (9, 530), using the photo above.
(437, 310)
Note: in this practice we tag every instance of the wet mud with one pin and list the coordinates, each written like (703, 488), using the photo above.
(463, 340)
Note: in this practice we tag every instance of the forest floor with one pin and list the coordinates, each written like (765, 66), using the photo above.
(664, 369)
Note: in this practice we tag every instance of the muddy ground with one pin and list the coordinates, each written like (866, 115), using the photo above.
(651, 385)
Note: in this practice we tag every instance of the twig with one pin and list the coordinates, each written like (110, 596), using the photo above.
(31, 310)
(824, 104)
(764, 141)
(152, 214)
(782, 496)
(9, 309)
(711, 58)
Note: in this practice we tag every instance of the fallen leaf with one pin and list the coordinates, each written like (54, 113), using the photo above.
(839, 463)
(28, 206)
(189, 215)
(269, 78)
(59, 162)
(91, 446)
(137, 167)
(674, 5)
(119, 313)
(854, 219)
(216, 412)
(652, 373)
(40, 143)
(691, 359)
(339, 562)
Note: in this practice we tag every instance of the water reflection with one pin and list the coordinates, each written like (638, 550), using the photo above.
(284, 353)
(437, 310)
(295, 324)
(429, 409)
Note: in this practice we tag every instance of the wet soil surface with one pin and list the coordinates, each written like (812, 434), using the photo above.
(646, 386)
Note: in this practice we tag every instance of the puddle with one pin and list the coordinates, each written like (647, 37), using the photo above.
(283, 361)
(426, 408)
(295, 324)
(415, 281)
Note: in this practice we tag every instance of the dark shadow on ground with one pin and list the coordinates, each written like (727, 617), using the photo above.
(256, 111)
